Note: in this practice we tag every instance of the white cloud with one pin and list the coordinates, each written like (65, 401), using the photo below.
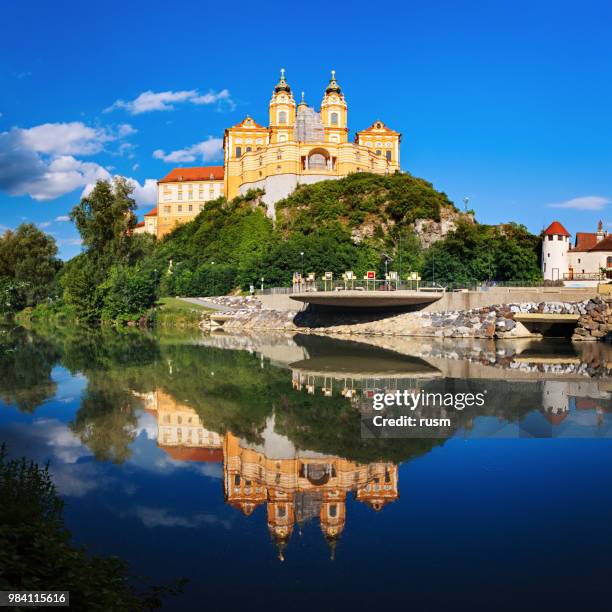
(144, 195)
(222, 97)
(62, 218)
(63, 175)
(583, 203)
(74, 138)
(40, 162)
(44, 224)
(149, 101)
(206, 150)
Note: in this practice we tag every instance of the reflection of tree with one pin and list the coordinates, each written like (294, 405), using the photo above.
(26, 361)
(333, 425)
(105, 421)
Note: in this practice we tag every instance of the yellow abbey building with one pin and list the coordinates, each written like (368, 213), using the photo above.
(300, 146)
(303, 146)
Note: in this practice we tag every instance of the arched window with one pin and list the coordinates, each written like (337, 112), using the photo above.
(334, 118)
(282, 117)
(388, 155)
(238, 151)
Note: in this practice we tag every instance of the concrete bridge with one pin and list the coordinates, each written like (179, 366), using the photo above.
(428, 301)
(352, 298)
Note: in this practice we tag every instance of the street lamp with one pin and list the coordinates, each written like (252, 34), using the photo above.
(387, 260)
(262, 282)
(302, 256)
(212, 263)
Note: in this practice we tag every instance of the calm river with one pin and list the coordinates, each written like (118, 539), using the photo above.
(238, 462)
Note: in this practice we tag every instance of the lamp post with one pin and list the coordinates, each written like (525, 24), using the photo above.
(212, 263)
(262, 282)
(302, 256)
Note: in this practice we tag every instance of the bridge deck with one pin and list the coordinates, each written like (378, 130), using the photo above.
(367, 299)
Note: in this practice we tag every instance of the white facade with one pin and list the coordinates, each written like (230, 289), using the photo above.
(588, 260)
(554, 256)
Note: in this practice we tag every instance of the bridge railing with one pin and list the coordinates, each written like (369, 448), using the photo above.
(354, 285)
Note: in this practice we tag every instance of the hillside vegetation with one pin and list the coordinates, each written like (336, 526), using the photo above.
(355, 223)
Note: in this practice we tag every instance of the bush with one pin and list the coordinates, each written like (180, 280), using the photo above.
(36, 553)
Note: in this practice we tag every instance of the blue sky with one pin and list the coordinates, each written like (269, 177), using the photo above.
(508, 103)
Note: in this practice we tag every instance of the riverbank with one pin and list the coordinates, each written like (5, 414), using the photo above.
(592, 319)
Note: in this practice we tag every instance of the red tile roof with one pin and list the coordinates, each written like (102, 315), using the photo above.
(586, 403)
(140, 224)
(603, 245)
(556, 229)
(585, 241)
(203, 173)
(152, 213)
(555, 419)
(182, 453)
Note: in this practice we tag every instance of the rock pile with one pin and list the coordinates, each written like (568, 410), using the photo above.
(491, 322)
(596, 320)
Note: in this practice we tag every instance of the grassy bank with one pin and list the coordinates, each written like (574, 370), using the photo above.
(173, 312)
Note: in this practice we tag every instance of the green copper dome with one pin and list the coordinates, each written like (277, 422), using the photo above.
(333, 86)
(282, 84)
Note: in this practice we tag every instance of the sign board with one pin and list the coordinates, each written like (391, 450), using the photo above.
(393, 275)
(415, 276)
(329, 275)
(370, 275)
(349, 275)
(311, 276)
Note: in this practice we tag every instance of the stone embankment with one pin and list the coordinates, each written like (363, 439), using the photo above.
(497, 321)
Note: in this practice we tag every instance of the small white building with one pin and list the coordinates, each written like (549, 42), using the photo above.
(589, 259)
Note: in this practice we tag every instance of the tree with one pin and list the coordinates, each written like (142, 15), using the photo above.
(28, 267)
(105, 219)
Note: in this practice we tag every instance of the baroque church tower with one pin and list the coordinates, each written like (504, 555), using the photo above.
(334, 112)
(281, 112)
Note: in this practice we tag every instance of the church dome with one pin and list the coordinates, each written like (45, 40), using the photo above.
(282, 84)
(332, 86)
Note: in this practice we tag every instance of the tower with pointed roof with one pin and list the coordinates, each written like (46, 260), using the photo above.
(555, 247)
(281, 111)
(334, 112)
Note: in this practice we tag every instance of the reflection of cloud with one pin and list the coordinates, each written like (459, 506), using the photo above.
(212, 470)
(162, 517)
(51, 440)
(66, 446)
(147, 424)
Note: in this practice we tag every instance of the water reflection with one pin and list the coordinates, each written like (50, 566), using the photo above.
(295, 485)
(282, 414)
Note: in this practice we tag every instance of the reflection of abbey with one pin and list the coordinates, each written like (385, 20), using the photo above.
(295, 485)
(299, 146)
(589, 259)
